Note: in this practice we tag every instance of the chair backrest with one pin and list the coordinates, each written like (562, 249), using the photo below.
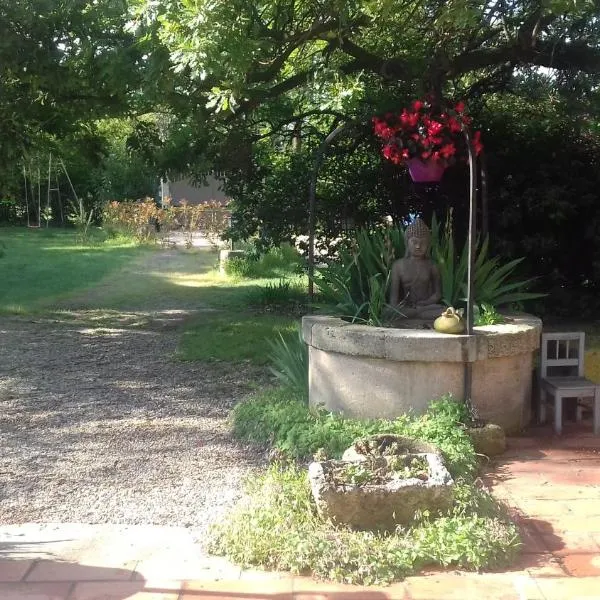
(562, 354)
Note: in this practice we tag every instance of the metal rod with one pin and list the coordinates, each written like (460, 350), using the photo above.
(485, 218)
(468, 371)
(471, 233)
(312, 202)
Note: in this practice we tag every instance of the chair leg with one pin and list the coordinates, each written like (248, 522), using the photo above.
(597, 411)
(579, 410)
(558, 413)
(542, 406)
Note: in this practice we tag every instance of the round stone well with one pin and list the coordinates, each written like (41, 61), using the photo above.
(379, 372)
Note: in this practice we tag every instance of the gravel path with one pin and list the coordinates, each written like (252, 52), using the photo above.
(103, 426)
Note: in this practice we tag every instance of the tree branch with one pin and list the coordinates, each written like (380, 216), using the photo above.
(559, 56)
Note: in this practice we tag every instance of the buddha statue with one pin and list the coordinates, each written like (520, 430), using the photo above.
(416, 288)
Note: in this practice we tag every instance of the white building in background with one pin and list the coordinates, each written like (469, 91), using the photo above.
(184, 189)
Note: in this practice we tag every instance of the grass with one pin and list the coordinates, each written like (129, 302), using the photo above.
(115, 283)
(40, 267)
(233, 337)
(282, 419)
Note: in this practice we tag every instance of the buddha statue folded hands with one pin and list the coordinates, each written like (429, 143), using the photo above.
(416, 288)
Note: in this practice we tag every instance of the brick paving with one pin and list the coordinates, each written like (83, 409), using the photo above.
(551, 484)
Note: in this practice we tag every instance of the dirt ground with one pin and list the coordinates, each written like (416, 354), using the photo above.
(101, 424)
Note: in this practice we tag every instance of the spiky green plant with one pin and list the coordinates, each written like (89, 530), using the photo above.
(357, 282)
(289, 362)
(493, 283)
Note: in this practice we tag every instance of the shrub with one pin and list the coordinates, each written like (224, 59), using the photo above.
(282, 419)
(494, 283)
(277, 528)
(358, 281)
(285, 295)
(275, 262)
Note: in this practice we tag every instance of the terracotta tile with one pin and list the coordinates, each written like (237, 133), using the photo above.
(14, 570)
(194, 569)
(582, 565)
(35, 591)
(550, 491)
(543, 565)
(121, 590)
(50, 570)
(533, 542)
(471, 587)
(570, 543)
(306, 588)
(570, 588)
(258, 575)
(237, 590)
(574, 524)
(534, 507)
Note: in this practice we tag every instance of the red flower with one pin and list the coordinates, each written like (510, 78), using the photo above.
(448, 150)
(434, 128)
(382, 129)
(409, 119)
(454, 125)
(392, 153)
(422, 131)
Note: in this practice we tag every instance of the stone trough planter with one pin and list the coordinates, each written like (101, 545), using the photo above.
(379, 492)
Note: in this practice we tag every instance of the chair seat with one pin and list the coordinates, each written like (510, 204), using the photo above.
(580, 386)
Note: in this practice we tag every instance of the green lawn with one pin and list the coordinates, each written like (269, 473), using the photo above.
(233, 337)
(38, 267)
(118, 284)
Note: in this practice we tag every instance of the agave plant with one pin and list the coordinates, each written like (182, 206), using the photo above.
(493, 283)
(358, 281)
(289, 362)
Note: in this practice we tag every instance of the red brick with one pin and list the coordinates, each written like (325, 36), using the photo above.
(463, 587)
(35, 591)
(280, 589)
(14, 570)
(51, 570)
(582, 565)
(121, 590)
(569, 542)
(569, 588)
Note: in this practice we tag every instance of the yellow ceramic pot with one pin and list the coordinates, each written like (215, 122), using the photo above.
(449, 322)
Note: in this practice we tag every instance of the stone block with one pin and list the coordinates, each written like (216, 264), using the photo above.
(225, 255)
(489, 439)
(380, 506)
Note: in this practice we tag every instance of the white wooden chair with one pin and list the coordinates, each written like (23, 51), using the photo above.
(561, 376)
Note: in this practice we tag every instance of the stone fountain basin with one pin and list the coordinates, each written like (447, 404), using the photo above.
(380, 506)
(380, 372)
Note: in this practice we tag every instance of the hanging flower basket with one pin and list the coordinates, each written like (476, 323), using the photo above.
(426, 138)
(425, 171)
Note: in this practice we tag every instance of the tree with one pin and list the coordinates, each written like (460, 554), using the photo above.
(63, 63)
(241, 53)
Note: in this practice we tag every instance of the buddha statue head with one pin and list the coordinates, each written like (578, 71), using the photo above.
(417, 237)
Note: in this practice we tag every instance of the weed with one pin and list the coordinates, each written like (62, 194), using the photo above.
(277, 528)
(282, 418)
